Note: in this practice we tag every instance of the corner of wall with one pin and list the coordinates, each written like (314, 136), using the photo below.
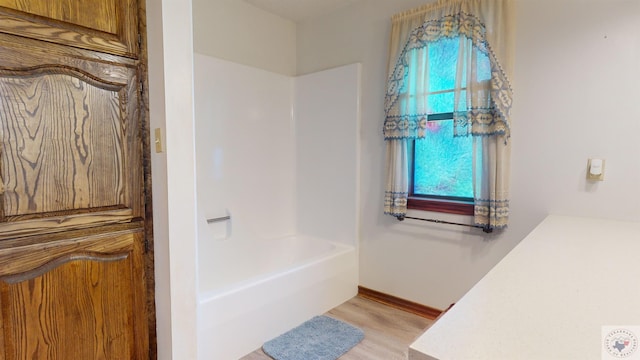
(242, 33)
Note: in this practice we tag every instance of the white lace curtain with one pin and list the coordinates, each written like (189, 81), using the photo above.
(482, 110)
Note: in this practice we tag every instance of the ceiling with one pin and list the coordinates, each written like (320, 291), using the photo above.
(298, 10)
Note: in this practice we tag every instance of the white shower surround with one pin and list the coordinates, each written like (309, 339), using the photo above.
(280, 155)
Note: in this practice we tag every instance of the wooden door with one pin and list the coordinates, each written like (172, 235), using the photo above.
(73, 226)
(108, 26)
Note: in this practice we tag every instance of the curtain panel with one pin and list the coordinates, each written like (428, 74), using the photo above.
(481, 110)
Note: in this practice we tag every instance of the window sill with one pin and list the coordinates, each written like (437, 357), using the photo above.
(443, 206)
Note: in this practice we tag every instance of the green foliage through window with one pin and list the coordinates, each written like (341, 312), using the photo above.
(443, 164)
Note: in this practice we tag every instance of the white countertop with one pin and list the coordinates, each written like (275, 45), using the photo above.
(548, 298)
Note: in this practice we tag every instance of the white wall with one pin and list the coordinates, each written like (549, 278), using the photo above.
(173, 175)
(587, 54)
(577, 64)
(327, 113)
(159, 184)
(236, 31)
(244, 150)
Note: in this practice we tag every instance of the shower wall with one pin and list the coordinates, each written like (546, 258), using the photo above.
(279, 154)
(327, 113)
(245, 150)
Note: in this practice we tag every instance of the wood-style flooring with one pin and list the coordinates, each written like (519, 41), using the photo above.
(388, 332)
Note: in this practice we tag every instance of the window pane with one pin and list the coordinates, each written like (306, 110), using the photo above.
(444, 102)
(443, 163)
(443, 57)
(441, 103)
(484, 67)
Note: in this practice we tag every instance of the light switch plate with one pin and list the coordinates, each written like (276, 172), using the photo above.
(595, 169)
(158, 140)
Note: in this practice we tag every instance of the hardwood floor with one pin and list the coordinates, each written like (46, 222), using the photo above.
(388, 331)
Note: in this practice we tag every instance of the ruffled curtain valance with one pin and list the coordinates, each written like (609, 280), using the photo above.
(481, 109)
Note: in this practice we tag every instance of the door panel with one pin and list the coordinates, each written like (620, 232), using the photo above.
(60, 130)
(25, 260)
(80, 305)
(70, 143)
(72, 11)
(107, 25)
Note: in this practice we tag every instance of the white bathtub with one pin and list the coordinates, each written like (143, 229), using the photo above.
(250, 292)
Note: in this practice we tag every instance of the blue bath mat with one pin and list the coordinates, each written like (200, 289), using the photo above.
(321, 338)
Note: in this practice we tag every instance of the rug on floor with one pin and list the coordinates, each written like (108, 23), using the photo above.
(321, 338)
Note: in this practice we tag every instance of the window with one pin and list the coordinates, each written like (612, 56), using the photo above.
(441, 164)
(449, 67)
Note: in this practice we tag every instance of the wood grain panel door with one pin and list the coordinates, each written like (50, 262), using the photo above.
(73, 222)
(70, 143)
(109, 26)
(74, 298)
